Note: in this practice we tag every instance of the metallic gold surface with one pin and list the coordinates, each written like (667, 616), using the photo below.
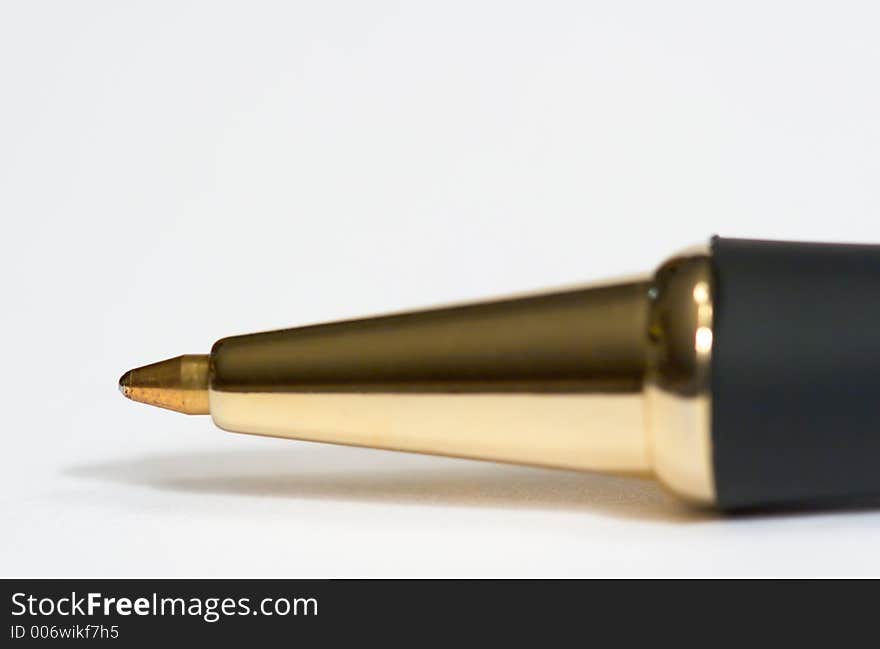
(677, 386)
(598, 432)
(552, 380)
(588, 340)
(179, 384)
(612, 378)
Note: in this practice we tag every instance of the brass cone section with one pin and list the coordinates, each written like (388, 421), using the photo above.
(612, 378)
(179, 384)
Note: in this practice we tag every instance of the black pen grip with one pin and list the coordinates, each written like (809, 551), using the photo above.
(795, 372)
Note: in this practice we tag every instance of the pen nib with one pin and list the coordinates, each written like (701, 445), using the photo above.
(179, 384)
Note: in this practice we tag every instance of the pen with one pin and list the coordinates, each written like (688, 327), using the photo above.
(743, 374)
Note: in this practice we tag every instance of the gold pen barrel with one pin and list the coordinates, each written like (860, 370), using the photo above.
(552, 380)
(606, 378)
(611, 378)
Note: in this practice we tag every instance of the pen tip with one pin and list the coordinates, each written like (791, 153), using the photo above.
(179, 384)
(124, 382)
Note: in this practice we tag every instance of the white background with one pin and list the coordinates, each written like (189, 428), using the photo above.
(173, 172)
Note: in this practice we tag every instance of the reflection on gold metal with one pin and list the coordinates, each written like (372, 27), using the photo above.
(598, 432)
(582, 341)
(677, 384)
(612, 378)
(179, 384)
